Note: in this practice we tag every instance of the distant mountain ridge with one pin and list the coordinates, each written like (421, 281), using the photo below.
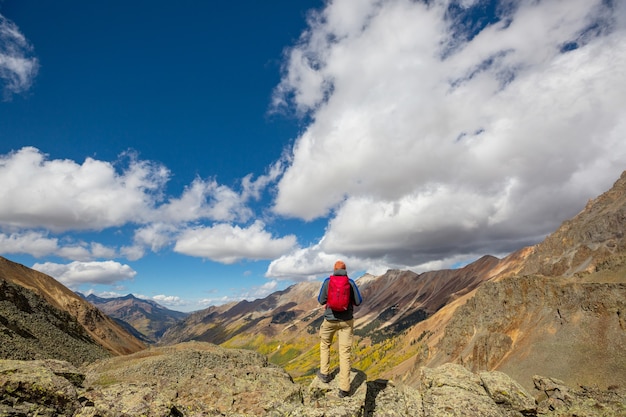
(390, 299)
(147, 319)
(284, 325)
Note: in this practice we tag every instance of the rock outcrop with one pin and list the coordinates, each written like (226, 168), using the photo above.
(592, 240)
(201, 379)
(193, 378)
(522, 324)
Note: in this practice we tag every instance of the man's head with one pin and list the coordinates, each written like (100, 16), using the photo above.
(339, 265)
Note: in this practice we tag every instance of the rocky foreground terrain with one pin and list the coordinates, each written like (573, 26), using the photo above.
(202, 379)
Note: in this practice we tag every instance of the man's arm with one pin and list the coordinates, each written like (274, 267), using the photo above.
(323, 295)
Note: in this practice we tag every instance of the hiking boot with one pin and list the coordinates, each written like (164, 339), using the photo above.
(323, 377)
(343, 394)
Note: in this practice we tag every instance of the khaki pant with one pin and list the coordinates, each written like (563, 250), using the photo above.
(344, 330)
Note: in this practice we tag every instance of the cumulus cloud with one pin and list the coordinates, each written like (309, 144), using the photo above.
(431, 139)
(168, 300)
(252, 188)
(64, 196)
(99, 250)
(154, 236)
(35, 243)
(18, 67)
(229, 243)
(61, 195)
(307, 264)
(313, 262)
(39, 244)
(133, 252)
(76, 273)
(209, 200)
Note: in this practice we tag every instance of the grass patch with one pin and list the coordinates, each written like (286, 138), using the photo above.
(105, 380)
(284, 355)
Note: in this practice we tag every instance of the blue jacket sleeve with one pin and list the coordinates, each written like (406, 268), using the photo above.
(356, 293)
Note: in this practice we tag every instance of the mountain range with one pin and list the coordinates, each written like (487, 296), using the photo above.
(145, 319)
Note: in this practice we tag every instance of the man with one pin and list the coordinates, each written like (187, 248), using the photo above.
(338, 320)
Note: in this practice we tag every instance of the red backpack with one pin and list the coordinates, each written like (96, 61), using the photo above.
(339, 291)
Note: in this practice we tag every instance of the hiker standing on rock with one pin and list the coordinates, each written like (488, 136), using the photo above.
(340, 294)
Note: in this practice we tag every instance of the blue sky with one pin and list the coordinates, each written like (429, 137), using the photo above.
(198, 153)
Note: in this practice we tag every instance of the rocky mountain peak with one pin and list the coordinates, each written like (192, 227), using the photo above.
(594, 239)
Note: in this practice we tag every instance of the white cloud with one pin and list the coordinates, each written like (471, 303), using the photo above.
(99, 250)
(426, 144)
(38, 244)
(34, 243)
(154, 236)
(252, 189)
(18, 67)
(168, 300)
(62, 195)
(133, 252)
(229, 243)
(209, 200)
(77, 273)
(303, 264)
(75, 252)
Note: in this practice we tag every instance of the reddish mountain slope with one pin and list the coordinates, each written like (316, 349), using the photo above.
(100, 327)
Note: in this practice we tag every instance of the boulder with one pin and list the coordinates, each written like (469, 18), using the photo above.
(40, 387)
(557, 399)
